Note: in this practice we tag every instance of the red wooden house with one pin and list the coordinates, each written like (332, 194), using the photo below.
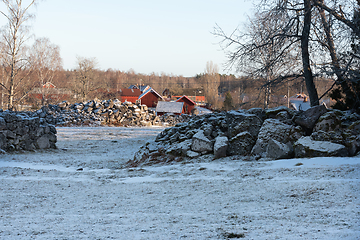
(130, 95)
(150, 98)
(189, 104)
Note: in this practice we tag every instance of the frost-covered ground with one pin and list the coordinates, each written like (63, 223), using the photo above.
(79, 192)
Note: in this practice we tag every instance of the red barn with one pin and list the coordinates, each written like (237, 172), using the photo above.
(150, 98)
(130, 95)
(189, 104)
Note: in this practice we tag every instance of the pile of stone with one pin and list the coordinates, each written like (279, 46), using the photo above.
(22, 131)
(256, 133)
(106, 112)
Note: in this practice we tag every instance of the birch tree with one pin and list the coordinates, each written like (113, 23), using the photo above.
(45, 60)
(85, 79)
(13, 50)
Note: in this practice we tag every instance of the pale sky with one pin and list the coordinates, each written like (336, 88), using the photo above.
(161, 36)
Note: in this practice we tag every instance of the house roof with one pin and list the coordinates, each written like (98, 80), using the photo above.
(169, 107)
(49, 85)
(187, 99)
(133, 87)
(142, 87)
(149, 91)
(130, 92)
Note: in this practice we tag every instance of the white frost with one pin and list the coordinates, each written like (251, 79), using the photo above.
(79, 192)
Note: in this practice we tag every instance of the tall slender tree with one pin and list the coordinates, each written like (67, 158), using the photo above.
(85, 79)
(46, 61)
(13, 38)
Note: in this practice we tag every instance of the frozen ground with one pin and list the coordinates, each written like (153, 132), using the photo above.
(79, 192)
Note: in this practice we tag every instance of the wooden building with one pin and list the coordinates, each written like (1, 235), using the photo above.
(129, 95)
(189, 104)
(150, 98)
(175, 108)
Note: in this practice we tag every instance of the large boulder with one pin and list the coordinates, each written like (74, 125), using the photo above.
(306, 147)
(278, 150)
(220, 146)
(330, 121)
(274, 129)
(241, 144)
(307, 119)
(241, 121)
(201, 144)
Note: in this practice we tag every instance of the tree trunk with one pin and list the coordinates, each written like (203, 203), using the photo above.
(333, 55)
(309, 79)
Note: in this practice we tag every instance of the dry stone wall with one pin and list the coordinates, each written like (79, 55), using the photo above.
(256, 134)
(33, 130)
(106, 112)
(22, 131)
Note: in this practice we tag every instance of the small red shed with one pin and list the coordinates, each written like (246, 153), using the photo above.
(189, 104)
(150, 98)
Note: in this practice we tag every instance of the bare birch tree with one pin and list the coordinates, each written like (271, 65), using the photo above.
(211, 83)
(45, 60)
(85, 79)
(13, 38)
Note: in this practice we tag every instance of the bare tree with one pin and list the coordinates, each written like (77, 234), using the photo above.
(13, 38)
(85, 80)
(211, 83)
(268, 48)
(306, 26)
(45, 60)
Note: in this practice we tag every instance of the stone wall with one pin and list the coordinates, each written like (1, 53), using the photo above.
(22, 131)
(106, 112)
(256, 134)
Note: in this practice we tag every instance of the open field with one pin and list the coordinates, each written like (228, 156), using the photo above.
(80, 191)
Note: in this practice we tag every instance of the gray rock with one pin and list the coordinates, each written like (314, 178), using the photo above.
(277, 150)
(330, 121)
(306, 147)
(192, 154)
(179, 149)
(240, 122)
(220, 147)
(241, 144)
(274, 129)
(3, 141)
(2, 124)
(42, 142)
(200, 143)
(308, 118)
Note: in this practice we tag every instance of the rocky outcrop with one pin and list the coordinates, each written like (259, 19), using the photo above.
(107, 112)
(22, 131)
(256, 133)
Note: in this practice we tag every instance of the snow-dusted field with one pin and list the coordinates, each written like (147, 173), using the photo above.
(80, 192)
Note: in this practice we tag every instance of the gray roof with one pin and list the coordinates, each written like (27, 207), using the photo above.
(169, 107)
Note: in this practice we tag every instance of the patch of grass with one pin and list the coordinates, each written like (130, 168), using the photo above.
(299, 164)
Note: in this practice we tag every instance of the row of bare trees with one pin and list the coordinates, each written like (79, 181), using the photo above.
(19, 61)
(287, 40)
(277, 45)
